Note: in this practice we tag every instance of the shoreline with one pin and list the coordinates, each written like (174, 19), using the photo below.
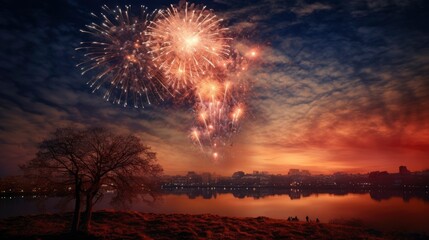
(109, 224)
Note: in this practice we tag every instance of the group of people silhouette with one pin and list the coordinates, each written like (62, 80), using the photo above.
(296, 219)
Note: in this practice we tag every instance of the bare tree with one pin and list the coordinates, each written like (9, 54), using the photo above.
(58, 163)
(92, 159)
(121, 163)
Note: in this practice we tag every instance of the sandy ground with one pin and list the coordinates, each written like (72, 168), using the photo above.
(136, 225)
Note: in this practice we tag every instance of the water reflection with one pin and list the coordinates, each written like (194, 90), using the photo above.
(384, 210)
(257, 193)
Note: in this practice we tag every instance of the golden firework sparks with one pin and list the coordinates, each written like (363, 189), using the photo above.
(187, 42)
(119, 58)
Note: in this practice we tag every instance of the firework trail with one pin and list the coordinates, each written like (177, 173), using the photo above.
(217, 114)
(219, 105)
(187, 43)
(120, 58)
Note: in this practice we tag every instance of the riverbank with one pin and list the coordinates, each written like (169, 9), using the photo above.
(136, 225)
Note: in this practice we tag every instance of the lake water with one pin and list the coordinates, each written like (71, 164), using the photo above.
(394, 213)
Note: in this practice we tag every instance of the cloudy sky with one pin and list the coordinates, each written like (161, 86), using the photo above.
(338, 86)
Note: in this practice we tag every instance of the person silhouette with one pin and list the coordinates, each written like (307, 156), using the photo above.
(306, 218)
(317, 220)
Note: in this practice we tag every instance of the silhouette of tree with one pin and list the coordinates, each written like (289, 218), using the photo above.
(94, 158)
(122, 163)
(57, 163)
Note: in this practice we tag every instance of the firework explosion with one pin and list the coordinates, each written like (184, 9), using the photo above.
(180, 49)
(119, 57)
(188, 43)
(220, 104)
(217, 113)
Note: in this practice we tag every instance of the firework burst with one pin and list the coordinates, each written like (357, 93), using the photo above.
(218, 111)
(220, 103)
(187, 42)
(120, 58)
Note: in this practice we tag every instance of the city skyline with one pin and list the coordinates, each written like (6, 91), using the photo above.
(295, 171)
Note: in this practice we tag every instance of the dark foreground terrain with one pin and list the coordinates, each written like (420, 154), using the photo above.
(135, 225)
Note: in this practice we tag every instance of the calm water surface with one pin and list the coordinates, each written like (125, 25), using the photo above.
(389, 214)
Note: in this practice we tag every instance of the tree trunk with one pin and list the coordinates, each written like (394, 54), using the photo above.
(76, 214)
(88, 212)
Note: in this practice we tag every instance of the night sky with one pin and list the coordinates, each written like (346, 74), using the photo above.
(338, 86)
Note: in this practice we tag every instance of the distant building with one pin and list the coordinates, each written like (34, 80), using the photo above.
(260, 173)
(193, 178)
(378, 174)
(403, 170)
(206, 178)
(238, 175)
(305, 172)
(293, 171)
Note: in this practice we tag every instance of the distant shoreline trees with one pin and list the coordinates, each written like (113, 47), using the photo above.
(87, 159)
